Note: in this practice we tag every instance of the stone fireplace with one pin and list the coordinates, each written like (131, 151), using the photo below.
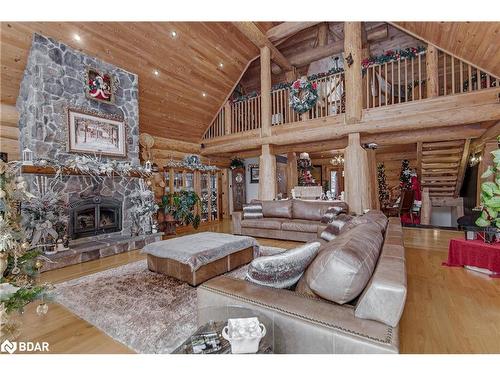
(99, 221)
(93, 216)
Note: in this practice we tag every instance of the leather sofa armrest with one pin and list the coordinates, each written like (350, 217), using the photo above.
(301, 324)
(236, 221)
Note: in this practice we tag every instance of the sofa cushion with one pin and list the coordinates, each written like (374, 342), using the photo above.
(252, 211)
(262, 223)
(334, 228)
(331, 213)
(281, 208)
(375, 217)
(343, 267)
(313, 210)
(297, 225)
(282, 270)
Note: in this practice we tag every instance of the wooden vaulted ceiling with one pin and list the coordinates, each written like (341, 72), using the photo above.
(171, 103)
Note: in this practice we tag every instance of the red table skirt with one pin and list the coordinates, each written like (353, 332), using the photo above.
(474, 253)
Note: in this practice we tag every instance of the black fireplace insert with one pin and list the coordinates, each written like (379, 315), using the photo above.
(93, 216)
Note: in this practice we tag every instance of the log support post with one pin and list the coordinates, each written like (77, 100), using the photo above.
(357, 191)
(227, 118)
(432, 71)
(267, 173)
(267, 161)
(265, 90)
(373, 183)
(426, 210)
(292, 174)
(352, 73)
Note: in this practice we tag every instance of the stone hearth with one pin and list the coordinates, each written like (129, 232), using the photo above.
(91, 250)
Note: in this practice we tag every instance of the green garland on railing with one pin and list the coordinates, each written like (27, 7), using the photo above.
(287, 85)
(392, 55)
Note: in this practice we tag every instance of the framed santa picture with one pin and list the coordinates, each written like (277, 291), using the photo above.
(99, 86)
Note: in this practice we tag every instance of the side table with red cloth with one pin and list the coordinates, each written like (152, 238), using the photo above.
(475, 253)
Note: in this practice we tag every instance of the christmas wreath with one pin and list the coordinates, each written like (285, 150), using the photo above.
(303, 95)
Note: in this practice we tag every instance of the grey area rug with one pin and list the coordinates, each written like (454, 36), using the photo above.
(146, 311)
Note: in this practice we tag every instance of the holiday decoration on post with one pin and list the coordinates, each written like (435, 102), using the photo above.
(383, 190)
(405, 175)
(303, 95)
(19, 263)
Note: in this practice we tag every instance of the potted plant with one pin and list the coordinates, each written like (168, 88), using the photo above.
(179, 207)
(490, 198)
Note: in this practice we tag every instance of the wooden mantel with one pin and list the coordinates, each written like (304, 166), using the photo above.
(32, 169)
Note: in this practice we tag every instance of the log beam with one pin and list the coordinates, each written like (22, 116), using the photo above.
(313, 54)
(287, 29)
(489, 134)
(253, 33)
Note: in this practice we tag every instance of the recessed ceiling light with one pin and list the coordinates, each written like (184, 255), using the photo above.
(221, 65)
(204, 94)
(156, 72)
(77, 37)
(173, 34)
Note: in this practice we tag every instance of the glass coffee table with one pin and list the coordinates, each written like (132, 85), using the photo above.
(208, 339)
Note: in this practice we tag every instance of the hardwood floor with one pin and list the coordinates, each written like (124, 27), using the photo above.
(448, 310)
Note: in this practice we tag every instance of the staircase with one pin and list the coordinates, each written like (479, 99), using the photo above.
(443, 166)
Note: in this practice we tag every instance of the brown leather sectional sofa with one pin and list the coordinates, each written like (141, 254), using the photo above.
(294, 220)
(304, 322)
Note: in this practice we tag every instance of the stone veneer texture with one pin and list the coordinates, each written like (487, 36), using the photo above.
(54, 79)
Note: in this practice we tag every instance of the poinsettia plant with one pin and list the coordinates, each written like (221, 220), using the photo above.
(490, 193)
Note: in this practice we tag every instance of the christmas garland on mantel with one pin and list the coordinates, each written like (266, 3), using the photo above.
(93, 166)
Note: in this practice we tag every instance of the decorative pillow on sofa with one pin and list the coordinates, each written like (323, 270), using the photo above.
(282, 270)
(343, 267)
(252, 211)
(334, 227)
(331, 213)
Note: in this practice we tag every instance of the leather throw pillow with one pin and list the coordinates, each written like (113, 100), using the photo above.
(282, 270)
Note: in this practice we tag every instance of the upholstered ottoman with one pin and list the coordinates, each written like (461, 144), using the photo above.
(199, 257)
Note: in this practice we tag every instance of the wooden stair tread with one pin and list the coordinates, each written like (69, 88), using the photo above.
(443, 144)
(443, 151)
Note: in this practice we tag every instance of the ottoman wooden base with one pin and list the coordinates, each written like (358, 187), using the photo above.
(183, 271)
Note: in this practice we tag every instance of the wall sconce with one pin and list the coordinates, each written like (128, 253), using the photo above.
(349, 60)
(148, 167)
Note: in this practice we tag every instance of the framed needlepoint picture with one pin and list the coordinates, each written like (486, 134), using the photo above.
(99, 86)
(96, 133)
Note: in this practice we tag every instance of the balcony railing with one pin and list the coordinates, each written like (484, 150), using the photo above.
(387, 84)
